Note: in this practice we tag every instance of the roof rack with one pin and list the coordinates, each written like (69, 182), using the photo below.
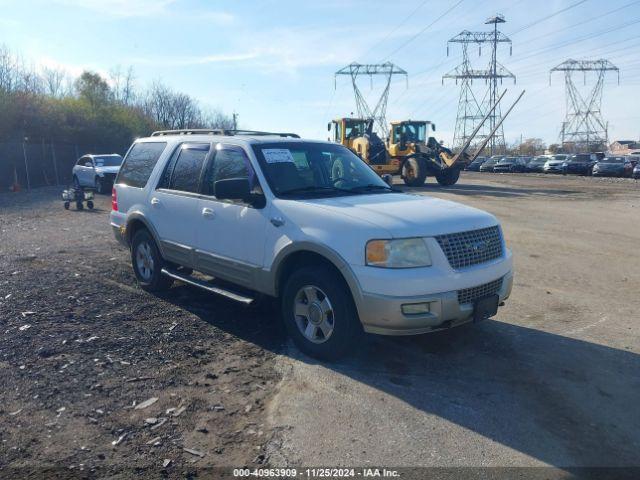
(223, 132)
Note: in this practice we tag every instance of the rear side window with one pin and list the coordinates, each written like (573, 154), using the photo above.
(139, 163)
(188, 167)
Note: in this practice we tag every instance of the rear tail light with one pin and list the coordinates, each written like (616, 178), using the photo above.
(114, 199)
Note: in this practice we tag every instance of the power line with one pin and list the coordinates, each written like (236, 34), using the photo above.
(581, 39)
(548, 17)
(386, 37)
(413, 37)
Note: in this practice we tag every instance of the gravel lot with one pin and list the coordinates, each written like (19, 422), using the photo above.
(82, 347)
(553, 380)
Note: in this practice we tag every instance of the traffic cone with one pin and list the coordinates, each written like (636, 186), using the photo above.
(16, 186)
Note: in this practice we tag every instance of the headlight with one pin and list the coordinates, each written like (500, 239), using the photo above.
(401, 253)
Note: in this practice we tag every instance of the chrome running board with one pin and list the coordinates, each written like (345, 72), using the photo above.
(238, 297)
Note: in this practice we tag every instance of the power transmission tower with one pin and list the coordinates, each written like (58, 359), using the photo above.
(378, 113)
(584, 129)
(470, 109)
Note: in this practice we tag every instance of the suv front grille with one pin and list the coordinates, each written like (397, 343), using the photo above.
(465, 249)
(469, 295)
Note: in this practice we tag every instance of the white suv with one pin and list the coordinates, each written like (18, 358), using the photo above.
(311, 224)
(96, 171)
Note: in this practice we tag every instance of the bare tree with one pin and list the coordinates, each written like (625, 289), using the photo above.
(213, 118)
(123, 85)
(8, 70)
(55, 82)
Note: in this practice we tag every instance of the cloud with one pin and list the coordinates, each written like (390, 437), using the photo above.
(195, 60)
(72, 70)
(122, 8)
(148, 8)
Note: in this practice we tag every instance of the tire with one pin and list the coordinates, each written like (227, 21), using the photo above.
(147, 263)
(327, 323)
(99, 185)
(66, 205)
(448, 177)
(89, 204)
(414, 171)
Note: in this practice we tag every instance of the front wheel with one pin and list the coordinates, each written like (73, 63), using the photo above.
(414, 171)
(147, 263)
(319, 313)
(448, 177)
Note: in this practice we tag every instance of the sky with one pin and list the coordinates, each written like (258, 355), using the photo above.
(273, 61)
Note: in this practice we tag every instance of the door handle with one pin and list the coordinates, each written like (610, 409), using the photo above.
(208, 212)
(277, 221)
(155, 201)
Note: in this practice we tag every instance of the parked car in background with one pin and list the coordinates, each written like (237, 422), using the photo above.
(311, 224)
(536, 164)
(510, 165)
(579, 164)
(554, 164)
(634, 159)
(491, 163)
(636, 171)
(613, 167)
(475, 165)
(97, 171)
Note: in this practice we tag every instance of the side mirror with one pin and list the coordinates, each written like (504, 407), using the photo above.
(433, 127)
(233, 189)
(388, 179)
(329, 127)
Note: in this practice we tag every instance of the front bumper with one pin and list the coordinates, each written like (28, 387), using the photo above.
(608, 173)
(382, 314)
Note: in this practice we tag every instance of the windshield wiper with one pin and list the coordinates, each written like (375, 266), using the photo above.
(372, 187)
(314, 189)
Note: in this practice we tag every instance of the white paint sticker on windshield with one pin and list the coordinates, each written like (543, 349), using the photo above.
(277, 155)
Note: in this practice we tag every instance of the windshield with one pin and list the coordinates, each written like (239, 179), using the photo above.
(539, 160)
(559, 157)
(354, 129)
(110, 161)
(308, 168)
(414, 132)
(508, 160)
(612, 160)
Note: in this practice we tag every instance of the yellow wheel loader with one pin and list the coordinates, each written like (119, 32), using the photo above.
(409, 151)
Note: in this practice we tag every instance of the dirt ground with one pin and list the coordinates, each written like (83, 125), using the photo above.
(82, 347)
(553, 380)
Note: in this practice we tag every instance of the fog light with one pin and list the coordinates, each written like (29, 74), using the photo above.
(415, 308)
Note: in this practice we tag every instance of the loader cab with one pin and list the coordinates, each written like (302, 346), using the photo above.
(345, 130)
(406, 137)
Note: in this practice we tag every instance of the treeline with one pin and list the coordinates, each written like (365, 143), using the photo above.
(49, 105)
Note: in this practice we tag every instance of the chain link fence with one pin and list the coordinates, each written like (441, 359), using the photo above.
(32, 163)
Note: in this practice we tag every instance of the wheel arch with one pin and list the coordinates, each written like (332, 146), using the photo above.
(137, 221)
(295, 256)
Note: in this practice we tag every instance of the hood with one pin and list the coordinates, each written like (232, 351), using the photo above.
(108, 169)
(405, 215)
